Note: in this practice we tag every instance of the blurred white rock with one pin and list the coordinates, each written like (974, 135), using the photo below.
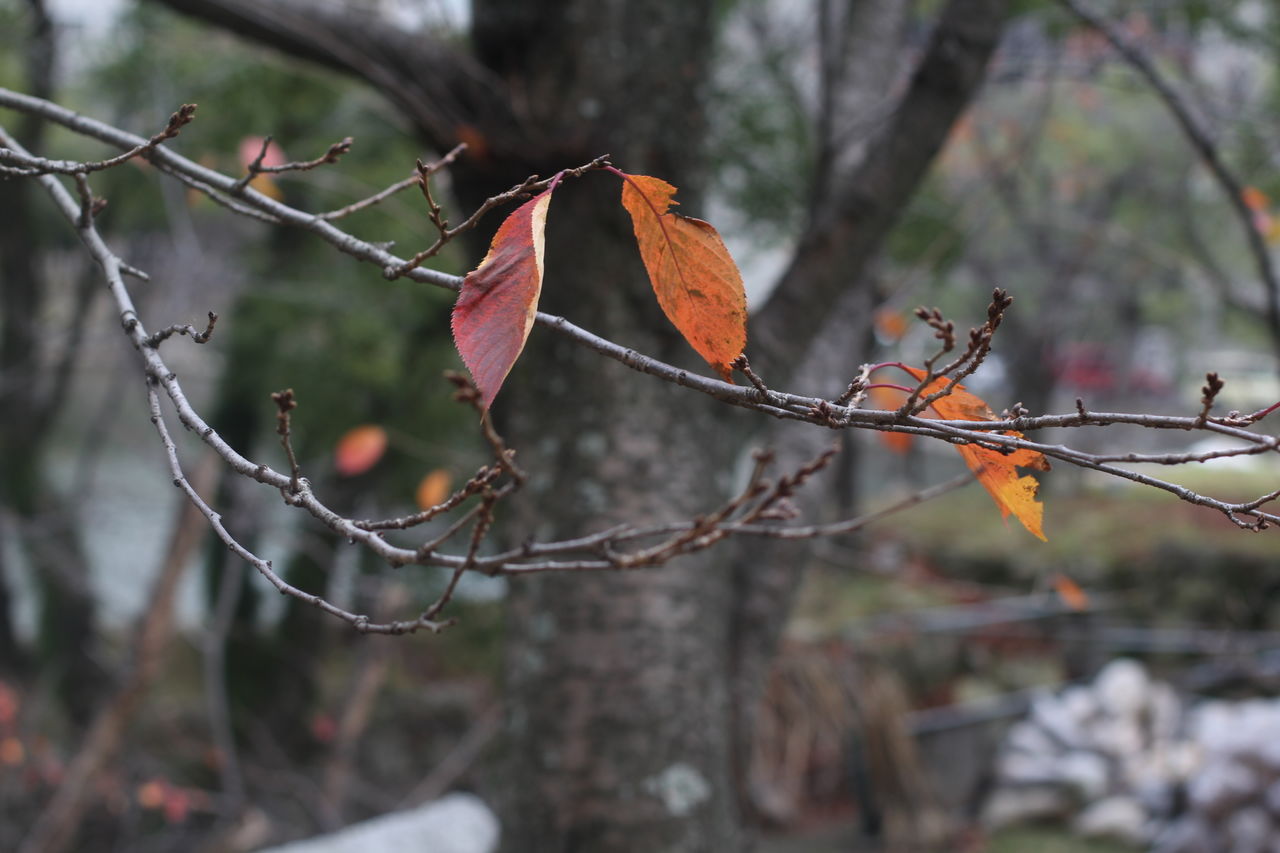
(1120, 818)
(456, 823)
(1012, 806)
(1249, 830)
(1086, 773)
(1124, 756)
(1122, 687)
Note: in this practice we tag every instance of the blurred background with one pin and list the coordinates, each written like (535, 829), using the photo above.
(940, 680)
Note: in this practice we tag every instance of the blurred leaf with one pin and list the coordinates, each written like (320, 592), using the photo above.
(433, 489)
(359, 450)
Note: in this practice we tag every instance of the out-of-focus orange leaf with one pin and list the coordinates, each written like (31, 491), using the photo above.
(359, 449)
(9, 703)
(889, 398)
(499, 298)
(996, 471)
(1070, 592)
(1255, 199)
(477, 144)
(433, 488)
(890, 325)
(11, 752)
(695, 279)
(151, 794)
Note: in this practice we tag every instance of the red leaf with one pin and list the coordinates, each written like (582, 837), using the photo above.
(694, 277)
(359, 450)
(499, 298)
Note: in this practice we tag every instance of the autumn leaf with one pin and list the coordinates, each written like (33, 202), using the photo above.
(12, 752)
(1070, 592)
(433, 489)
(996, 471)
(151, 794)
(359, 449)
(890, 325)
(695, 279)
(499, 299)
(888, 398)
(1255, 199)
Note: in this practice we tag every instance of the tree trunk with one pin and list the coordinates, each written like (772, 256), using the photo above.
(617, 684)
(620, 686)
(47, 527)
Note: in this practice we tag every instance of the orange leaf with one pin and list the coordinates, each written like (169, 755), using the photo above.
(888, 398)
(11, 752)
(1070, 592)
(499, 298)
(1255, 199)
(151, 794)
(890, 325)
(433, 489)
(996, 471)
(696, 281)
(359, 449)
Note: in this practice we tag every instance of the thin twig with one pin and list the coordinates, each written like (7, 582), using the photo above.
(41, 166)
(1204, 145)
(531, 185)
(743, 365)
(605, 550)
(377, 198)
(255, 167)
(285, 404)
(157, 338)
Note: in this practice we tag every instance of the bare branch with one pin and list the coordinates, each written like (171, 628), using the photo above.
(1204, 146)
(527, 188)
(755, 511)
(285, 404)
(40, 166)
(184, 329)
(255, 168)
(418, 177)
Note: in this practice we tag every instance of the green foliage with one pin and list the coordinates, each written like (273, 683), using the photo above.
(354, 347)
(762, 153)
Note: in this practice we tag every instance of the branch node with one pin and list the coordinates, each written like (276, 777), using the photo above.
(285, 404)
(744, 366)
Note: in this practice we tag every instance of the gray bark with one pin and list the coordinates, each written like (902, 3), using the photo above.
(30, 400)
(622, 686)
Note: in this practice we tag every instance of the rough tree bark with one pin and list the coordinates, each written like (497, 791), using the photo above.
(622, 687)
(31, 396)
